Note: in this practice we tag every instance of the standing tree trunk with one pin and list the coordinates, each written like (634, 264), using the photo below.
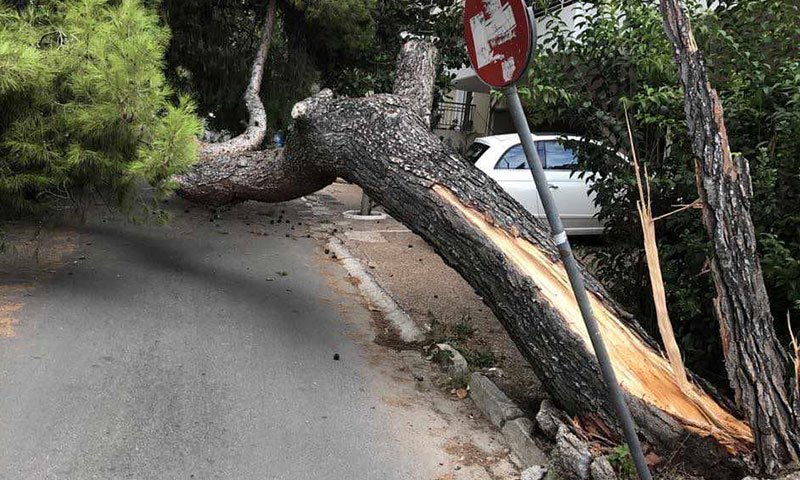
(505, 254)
(256, 130)
(755, 360)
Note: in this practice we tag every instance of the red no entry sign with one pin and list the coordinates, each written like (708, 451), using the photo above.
(499, 35)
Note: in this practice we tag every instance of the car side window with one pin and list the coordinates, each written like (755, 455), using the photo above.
(558, 156)
(514, 158)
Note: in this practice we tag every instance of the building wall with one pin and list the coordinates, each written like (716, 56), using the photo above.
(490, 116)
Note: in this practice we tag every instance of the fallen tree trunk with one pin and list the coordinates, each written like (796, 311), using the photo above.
(504, 252)
(755, 360)
(507, 256)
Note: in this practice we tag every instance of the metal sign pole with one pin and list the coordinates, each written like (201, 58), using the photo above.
(576, 280)
(500, 37)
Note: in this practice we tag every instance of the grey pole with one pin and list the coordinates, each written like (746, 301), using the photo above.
(576, 280)
(366, 205)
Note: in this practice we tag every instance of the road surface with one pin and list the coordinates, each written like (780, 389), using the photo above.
(205, 349)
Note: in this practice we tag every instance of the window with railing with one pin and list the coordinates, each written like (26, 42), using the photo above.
(454, 116)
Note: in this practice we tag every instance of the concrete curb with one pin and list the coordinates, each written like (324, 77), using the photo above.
(375, 294)
(492, 402)
(509, 418)
(455, 366)
(356, 215)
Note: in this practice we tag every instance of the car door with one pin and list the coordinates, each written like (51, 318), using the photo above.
(512, 173)
(570, 191)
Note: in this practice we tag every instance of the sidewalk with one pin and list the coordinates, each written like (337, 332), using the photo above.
(433, 294)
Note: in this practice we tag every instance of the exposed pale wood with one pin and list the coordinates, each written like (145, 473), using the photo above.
(644, 207)
(641, 370)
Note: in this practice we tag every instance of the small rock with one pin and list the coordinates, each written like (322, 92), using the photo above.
(601, 469)
(570, 458)
(336, 356)
(537, 472)
(549, 419)
(455, 365)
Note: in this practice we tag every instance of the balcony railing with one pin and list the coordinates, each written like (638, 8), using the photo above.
(454, 116)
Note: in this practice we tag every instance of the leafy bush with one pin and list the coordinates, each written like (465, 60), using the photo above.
(85, 110)
(620, 57)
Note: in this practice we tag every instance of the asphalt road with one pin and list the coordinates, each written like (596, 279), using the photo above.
(203, 349)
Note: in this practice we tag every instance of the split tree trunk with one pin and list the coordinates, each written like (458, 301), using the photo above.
(755, 360)
(256, 130)
(504, 252)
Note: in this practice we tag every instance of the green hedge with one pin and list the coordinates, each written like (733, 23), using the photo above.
(581, 83)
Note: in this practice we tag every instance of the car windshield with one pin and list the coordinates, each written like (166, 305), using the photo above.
(475, 151)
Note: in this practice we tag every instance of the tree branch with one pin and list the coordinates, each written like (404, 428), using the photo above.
(256, 130)
(504, 252)
(417, 65)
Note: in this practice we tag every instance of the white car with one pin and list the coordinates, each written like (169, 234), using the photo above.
(501, 157)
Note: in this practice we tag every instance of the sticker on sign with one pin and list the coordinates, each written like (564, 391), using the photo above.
(498, 36)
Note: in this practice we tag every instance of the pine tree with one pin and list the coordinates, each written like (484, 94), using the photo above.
(85, 110)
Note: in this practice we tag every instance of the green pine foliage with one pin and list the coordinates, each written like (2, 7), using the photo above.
(85, 110)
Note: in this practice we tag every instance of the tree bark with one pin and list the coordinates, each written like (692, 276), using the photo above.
(256, 130)
(505, 254)
(755, 360)
(417, 64)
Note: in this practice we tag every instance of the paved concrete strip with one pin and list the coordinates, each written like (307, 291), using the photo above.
(377, 296)
(203, 350)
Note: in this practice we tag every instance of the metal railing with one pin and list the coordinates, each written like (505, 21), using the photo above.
(453, 116)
